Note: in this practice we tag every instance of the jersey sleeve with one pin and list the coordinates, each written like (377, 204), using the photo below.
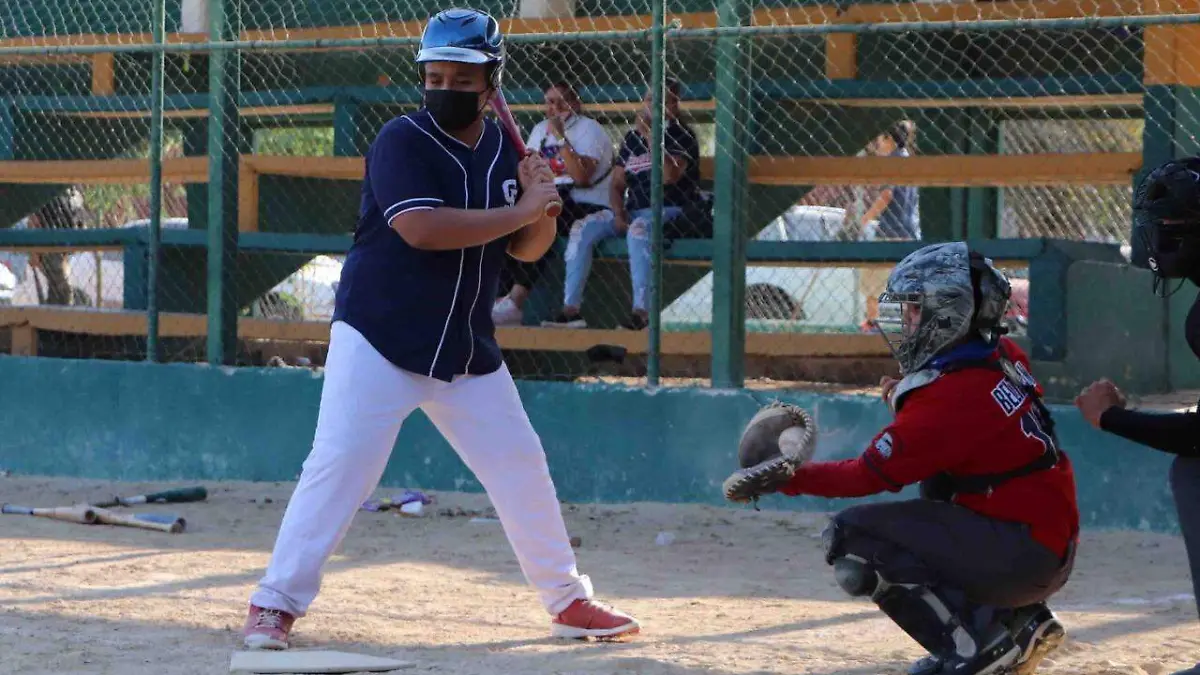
(402, 177)
(591, 140)
(1174, 433)
(918, 444)
(537, 136)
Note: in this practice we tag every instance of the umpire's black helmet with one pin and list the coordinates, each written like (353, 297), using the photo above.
(464, 36)
(1166, 212)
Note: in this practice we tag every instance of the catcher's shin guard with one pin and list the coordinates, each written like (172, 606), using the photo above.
(927, 618)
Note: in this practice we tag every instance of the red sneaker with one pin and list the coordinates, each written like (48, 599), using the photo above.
(267, 628)
(588, 618)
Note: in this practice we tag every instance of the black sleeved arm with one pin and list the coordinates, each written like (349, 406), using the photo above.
(1176, 433)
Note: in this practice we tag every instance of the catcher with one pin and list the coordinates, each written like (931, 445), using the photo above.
(966, 569)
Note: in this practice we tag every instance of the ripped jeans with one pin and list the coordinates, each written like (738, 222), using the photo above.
(587, 232)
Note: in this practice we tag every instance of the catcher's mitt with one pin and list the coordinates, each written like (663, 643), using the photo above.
(776, 441)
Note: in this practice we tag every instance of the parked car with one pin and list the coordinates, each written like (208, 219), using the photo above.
(785, 297)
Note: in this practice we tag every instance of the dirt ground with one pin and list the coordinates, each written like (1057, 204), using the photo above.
(736, 591)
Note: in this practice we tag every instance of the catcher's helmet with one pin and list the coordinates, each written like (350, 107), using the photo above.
(1166, 216)
(960, 296)
(464, 36)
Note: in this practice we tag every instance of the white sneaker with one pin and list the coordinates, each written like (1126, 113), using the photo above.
(506, 313)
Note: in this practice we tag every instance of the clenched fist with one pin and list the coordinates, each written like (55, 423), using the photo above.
(1098, 397)
(534, 169)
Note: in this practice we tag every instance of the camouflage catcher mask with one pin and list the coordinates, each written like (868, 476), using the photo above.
(937, 298)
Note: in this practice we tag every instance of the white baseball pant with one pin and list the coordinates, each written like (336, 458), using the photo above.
(364, 400)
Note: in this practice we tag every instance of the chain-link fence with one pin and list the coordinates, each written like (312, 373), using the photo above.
(813, 144)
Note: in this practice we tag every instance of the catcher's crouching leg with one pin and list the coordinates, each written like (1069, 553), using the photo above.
(926, 613)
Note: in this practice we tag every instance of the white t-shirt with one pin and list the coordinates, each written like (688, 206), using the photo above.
(588, 139)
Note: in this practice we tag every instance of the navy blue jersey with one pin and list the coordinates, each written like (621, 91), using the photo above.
(678, 140)
(428, 312)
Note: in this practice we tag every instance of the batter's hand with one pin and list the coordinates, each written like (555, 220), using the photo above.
(1098, 397)
(534, 169)
(534, 199)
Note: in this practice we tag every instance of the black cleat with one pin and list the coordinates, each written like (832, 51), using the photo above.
(926, 665)
(1038, 633)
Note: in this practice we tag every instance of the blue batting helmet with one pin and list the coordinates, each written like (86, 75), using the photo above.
(464, 36)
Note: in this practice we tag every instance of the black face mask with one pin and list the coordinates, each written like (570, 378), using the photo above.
(453, 110)
(1191, 327)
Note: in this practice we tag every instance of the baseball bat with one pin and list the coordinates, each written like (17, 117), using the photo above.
(174, 496)
(82, 513)
(500, 106)
(145, 521)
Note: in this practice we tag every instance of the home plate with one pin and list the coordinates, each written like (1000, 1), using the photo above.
(292, 661)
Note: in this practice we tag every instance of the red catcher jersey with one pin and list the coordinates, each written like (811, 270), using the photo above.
(968, 422)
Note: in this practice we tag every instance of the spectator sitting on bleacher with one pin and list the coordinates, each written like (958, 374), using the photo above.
(580, 153)
(631, 215)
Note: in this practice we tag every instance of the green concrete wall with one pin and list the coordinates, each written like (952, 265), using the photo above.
(1111, 307)
(137, 421)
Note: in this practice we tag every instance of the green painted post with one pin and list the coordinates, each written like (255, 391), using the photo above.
(959, 142)
(345, 128)
(998, 202)
(8, 131)
(729, 190)
(983, 138)
(223, 130)
(156, 152)
(657, 83)
(195, 144)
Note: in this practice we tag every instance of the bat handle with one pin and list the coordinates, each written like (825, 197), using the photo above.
(554, 208)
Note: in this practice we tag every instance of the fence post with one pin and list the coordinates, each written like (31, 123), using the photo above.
(156, 159)
(7, 131)
(657, 83)
(729, 191)
(223, 129)
(984, 213)
(346, 118)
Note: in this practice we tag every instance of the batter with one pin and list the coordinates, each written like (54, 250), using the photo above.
(445, 198)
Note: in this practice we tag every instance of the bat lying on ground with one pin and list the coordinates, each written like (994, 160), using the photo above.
(161, 522)
(82, 513)
(89, 514)
(147, 521)
(174, 496)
